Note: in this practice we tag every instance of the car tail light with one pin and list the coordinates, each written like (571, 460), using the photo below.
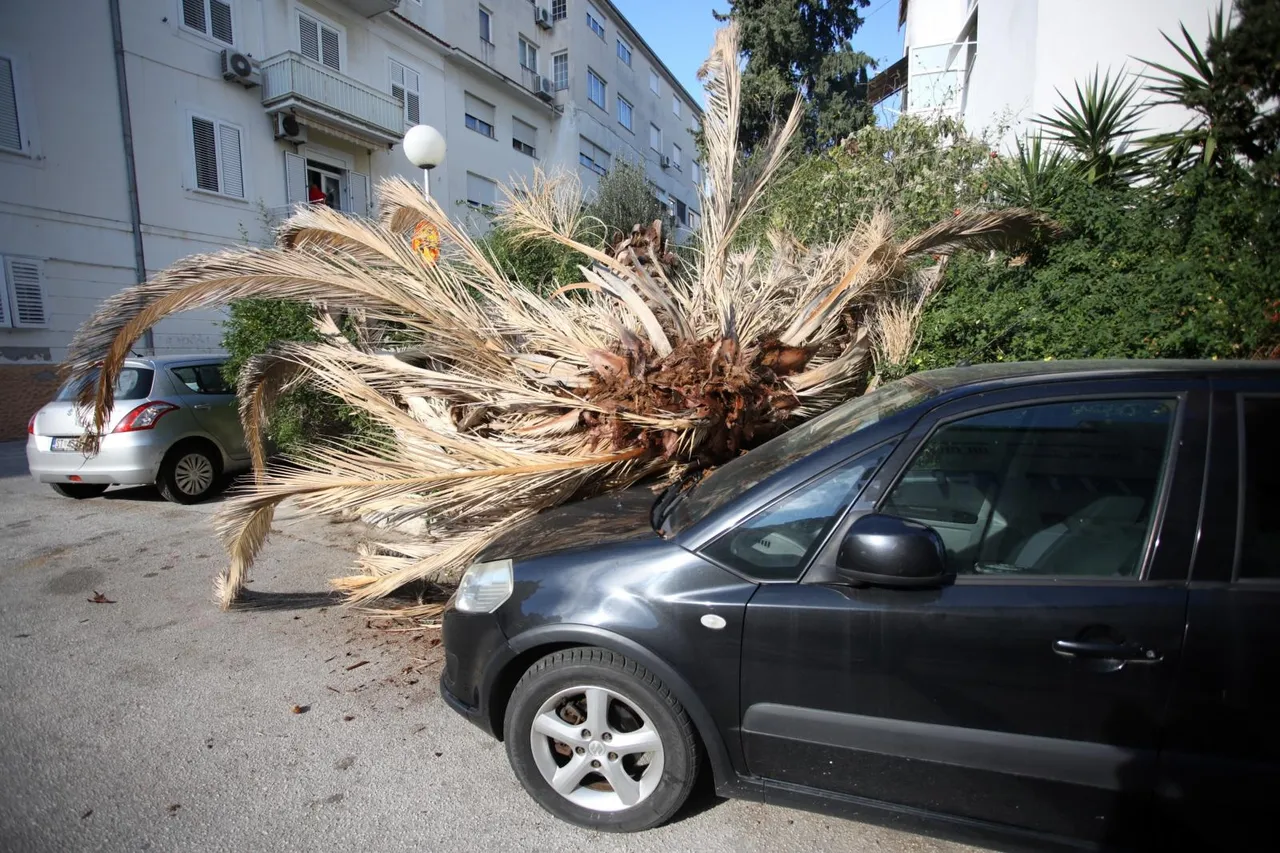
(31, 425)
(145, 416)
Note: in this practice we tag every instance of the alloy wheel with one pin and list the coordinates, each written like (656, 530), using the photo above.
(596, 748)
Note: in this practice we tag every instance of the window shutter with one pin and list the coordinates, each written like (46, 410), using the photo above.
(524, 132)
(358, 189)
(10, 132)
(295, 179)
(232, 171)
(480, 190)
(220, 21)
(5, 320)
(309, 38)
(411, 105)
(206, 153)
(26, 293)
(193, 15)
(329, 43)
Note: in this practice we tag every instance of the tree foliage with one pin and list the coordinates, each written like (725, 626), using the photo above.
(802, 46)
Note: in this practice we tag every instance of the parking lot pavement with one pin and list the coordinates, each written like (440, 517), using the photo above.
(156, 722)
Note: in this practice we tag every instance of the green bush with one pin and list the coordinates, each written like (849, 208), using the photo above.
(1190, 272)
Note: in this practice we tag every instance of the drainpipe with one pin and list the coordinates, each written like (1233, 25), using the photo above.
(147, 343)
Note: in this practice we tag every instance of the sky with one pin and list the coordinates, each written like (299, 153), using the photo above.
(681, 31)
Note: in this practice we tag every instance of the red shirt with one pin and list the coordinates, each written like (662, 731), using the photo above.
(316, 196)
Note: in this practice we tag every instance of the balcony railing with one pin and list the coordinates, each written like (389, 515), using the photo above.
(291, 81)
(529, 78)
(486, 52)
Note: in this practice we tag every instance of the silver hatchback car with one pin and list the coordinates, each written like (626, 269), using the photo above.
(175, 423)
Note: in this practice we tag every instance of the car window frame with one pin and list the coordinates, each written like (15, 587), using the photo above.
(803, 569)
(1167, 552)
(182, 388)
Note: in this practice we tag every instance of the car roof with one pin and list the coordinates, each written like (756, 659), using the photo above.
(171, 360)
(1019, 372)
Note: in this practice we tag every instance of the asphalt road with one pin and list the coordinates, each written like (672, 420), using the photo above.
(158, 723)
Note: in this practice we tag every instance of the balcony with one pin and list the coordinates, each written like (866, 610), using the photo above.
(486, 52)
(331, 100)
(369, 8)
(529, 78)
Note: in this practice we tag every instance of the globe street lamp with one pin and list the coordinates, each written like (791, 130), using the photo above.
(424, 146)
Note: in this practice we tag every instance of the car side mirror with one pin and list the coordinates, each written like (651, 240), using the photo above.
(885, 550)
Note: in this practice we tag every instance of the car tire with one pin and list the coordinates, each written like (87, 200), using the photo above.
(79, 491)
(190, 472)
(568, 688)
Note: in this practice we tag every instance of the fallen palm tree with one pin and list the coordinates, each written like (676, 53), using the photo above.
(497, 402)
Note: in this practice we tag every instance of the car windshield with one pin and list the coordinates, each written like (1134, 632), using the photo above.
(133, 383)
(735, 477)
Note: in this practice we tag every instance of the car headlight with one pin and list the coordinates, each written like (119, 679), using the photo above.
(484, 586)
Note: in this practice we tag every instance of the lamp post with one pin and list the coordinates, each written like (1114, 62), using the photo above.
(424, 146)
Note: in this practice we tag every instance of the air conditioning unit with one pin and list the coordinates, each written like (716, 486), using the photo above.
(664, 161)
(542, 17)
(289, 129)
(542, 86)
(241, 68)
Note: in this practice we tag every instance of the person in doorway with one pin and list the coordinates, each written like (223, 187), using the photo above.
(316, 195)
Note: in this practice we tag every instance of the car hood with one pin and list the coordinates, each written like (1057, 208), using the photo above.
(618, 517)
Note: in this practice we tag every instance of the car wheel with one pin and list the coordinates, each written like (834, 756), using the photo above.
(189, 473)
(600, 742)
(79, 491)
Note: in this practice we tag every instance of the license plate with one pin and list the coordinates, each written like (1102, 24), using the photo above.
(66, 444)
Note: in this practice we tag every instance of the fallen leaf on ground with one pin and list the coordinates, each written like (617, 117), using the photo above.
(301, 709)
(99, 598)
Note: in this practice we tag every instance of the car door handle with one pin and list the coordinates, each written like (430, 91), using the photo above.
(1102, 649)
(202, 407)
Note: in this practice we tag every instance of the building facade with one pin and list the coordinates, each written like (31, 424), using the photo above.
(1002, 63)
(137, 132)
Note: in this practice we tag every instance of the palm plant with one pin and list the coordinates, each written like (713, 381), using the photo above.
(1035, 176)
(498, 402)
(1098, 125)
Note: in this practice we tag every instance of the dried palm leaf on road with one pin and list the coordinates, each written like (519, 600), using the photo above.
(495, 402)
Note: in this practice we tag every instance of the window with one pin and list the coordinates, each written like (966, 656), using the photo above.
(695, 220)
(524, 137)
(592, 156)
(655, 85)
(480, 115)
(624, 112)
(481, 191)
(594, 19)
(558, 10)
(22, 297)
(486, 25)
(216, 148)
(560, 70)
(778, 542)
(697, 176)
(694, 125)
(675, 106)
(1062, 489)
(528, 55)
(1260, 478)
(210, 18)
(655, 138)
(624, 51)
(596, 89)
(935, 78)
(682, 211)
(319, 42)
(10, 128)
(203, 379)
(132, 383)
(405, 85)
(675, 156)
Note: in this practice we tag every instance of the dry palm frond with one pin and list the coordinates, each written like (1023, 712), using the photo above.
(495, 402)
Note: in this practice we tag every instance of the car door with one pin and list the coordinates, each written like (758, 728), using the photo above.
(1031, 691)
(202, 387)
(1220, 769)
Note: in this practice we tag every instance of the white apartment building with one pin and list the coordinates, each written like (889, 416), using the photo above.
(995, 62)
(137, 132)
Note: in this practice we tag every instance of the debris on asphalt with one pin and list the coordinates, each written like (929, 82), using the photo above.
(99, 598)
(173, 809)
(357, 665)
(301, 709)
(346, 718)
(86, 814)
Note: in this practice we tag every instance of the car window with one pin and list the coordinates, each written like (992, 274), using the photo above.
(1059, 489)
(133, 383)
(778, 542)
(1260, 525)
(734, 478)
(203, 379)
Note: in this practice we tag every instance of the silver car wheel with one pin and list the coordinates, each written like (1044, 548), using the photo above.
(193, 474)
(596, 748)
